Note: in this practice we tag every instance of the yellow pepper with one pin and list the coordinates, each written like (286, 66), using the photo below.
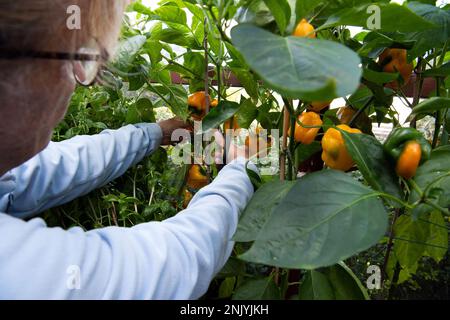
(304, 29)
(335, 154)
(304, 134)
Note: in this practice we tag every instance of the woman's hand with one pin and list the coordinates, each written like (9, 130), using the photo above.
(169, 126)
(233, 152)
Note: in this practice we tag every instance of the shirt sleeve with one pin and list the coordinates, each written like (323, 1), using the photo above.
(173, 259)
(66, 170)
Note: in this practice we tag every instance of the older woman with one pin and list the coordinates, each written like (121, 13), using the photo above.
(40, 61)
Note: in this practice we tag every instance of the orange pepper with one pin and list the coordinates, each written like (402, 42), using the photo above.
(335, 154)
(304, 134)
(304, 29)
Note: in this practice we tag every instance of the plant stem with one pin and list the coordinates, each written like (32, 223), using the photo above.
(207, 99)
(219, 27)
(417, 89)
(360, 112)
(397, 270)
(284, 144)
(390, 245)
(391, 197)
(438, 122)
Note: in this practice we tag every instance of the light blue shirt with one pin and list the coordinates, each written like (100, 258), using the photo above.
(173, 259)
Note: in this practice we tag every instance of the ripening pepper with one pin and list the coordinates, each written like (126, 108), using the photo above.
(304, 134)
(304, 29)
(318, 106)
(409, 149)
(345, 114)
(335, 154)
(395, 60)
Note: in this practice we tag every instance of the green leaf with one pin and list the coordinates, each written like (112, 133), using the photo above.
(372, 162)
(227, 287)
(326, 217)
(442, 71)
(246, 114)
(140, 8)
(304, 7)
(234, 267)
(133, 115)
(248, 81)
(379, 77)
(255, 13)
(170, 14)
(299, 68)
(337, 282)
(260, 209)
(432, 105)
(145, 108)
(346, 285)
(316, 286)
(429, 39)
(376, 42)
(305, 151)
(389, 13)
(281, 12)
(263, 289)
(427, 236)
(176, 96)
(195, 62)
(154, 48)
(438, 238)
(127, 51)
(435, 172)
(224, 111)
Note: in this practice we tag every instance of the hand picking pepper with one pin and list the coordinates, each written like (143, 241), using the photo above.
(335, 154)
(408, 148)
(304, 134)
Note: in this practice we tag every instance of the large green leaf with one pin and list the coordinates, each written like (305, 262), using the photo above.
(326, 217)
(127, 52)
(263, 289)
(316, 286)
(172, 14)
(175, 95)
(260, 209)
(256, 13)
(379, 77)
(417, 238)
(442, 71)
(299, 68)
(375, 43)
(281, 12)
(389, 13)
(304, 7)
(429, 39)
(432, 105)
(247, 80)
(225, 110)
(435, 174)
(337, 282)
(247, 113)
(372, 162)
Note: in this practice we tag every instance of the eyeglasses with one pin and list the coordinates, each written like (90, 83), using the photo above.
(87, 62)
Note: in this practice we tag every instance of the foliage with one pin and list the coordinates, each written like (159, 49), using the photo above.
(311, 223)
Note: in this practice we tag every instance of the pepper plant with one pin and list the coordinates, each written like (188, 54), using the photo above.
(339, 191)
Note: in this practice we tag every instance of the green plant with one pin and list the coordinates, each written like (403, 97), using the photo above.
(310, 224)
